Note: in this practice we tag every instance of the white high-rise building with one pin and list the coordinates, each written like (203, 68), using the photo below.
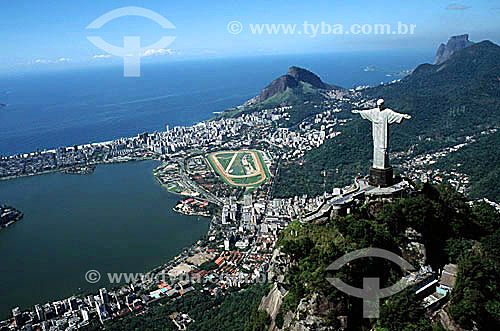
(102, 312)
(85, 314)
(39, 313)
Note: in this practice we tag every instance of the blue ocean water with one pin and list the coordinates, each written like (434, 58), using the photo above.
(63, 108)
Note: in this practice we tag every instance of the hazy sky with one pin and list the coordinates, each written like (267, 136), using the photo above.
(50, 32)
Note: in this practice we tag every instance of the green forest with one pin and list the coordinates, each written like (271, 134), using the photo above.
(228, 312)
(480, 160)
(453, 232)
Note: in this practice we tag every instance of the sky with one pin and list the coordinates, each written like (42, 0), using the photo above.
(53, 33)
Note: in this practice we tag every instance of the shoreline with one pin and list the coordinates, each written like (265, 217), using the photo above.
(78, 292)
(59, 170)
(238, 225)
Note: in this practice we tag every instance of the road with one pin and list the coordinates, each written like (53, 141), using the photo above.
(208, 196)
(359, 188)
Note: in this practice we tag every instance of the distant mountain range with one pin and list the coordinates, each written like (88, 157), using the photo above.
(299, 83)
(469, 79)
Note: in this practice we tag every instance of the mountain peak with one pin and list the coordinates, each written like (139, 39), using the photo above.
(277, 86)
(454, 44)
(293, 79)
(304, 75)
(471, 73)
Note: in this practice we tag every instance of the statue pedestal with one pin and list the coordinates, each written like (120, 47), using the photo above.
(381, 177)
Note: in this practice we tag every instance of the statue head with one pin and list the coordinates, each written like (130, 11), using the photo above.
(380, 103)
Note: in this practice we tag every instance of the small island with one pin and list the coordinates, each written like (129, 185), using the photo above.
(9, 215)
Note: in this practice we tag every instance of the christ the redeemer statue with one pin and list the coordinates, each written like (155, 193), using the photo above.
(381, 118)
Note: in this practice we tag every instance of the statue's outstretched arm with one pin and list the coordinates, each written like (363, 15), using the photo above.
(360, 111)
(395, 117)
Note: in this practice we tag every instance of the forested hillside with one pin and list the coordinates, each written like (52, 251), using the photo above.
(447, 102)
(452, 232)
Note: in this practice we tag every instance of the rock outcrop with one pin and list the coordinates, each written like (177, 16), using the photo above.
(277, 86)
(454, 44)
(443, 317)
(292, 79)
(311, 314)
(303, 75)
(271, 303)
(280, 263)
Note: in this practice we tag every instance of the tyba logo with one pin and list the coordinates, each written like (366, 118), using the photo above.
(131, 50)
(371, 292)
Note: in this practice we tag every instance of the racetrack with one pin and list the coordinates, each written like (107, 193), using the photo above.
(260, 175)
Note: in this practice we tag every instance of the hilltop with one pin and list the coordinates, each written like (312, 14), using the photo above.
(469, 79)
(296, 85)
(454, 44)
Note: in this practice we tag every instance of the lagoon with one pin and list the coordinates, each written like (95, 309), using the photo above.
(118, 219)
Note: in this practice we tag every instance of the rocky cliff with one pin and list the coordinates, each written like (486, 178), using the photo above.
(454, 44)
(312, 311)
(277, 86)
(300, 298)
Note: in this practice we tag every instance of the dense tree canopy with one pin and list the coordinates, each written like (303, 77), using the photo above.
(452, 231)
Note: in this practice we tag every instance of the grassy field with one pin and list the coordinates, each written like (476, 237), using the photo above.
(174, 188)
(224, 159)
(264, 166)
(237, 167)
(247, 180)
(252, 163)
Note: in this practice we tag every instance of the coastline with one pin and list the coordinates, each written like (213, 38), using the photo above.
(245, 222)
(51, 171)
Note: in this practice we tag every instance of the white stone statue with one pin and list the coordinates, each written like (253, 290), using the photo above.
(381, 117)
